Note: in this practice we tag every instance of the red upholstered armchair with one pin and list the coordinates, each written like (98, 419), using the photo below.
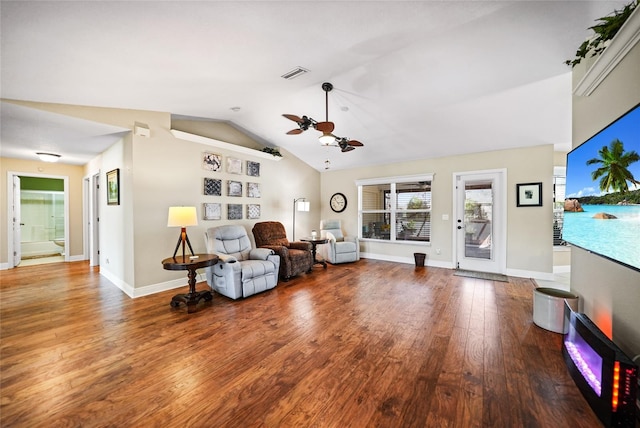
(295, 257)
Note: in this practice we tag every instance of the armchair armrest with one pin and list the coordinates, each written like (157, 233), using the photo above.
(280, 250)
(299, 245)
(330, 236)
(260, 253)
(225, 258)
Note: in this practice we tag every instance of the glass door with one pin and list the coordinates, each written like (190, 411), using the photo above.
(478, 239)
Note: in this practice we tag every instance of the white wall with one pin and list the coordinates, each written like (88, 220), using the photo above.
(529, 230)
(610, 293)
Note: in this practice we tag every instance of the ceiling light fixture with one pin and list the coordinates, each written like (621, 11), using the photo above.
(48, 157)
(327, 138)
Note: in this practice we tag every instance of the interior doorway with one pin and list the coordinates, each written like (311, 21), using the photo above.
(38, 219)
(92, 219)
(480, 221)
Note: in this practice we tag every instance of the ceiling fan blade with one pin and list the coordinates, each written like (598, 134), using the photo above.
(325, 127)
(347, 148)
(355, 143)
(295, 131)
(293, 117)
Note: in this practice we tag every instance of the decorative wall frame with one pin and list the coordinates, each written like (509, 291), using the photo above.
(212, 211)
(113, 187)
(234, 211)
(253, 169)
(211, 161)
(234, 166)
(234, 188)
(212, 187)
(253, 190)
(253, 211)
(529, 195)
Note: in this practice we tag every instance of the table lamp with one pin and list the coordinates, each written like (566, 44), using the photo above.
(182, 217)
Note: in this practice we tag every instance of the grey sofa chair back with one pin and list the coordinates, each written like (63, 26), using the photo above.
(241, 270)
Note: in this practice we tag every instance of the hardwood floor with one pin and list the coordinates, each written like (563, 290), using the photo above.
(356, 345)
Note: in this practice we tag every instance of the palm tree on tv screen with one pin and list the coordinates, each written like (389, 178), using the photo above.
(613, 171)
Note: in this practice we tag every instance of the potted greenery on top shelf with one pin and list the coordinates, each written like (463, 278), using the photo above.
(604, 31)
(272, 151)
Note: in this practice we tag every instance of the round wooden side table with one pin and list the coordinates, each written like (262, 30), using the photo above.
(190, 264)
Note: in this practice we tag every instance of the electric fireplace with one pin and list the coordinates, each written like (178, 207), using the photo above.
(607, 378)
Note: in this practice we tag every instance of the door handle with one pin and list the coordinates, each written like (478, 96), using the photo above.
(459, 227)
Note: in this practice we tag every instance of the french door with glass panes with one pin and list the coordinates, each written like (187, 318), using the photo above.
(480, 221)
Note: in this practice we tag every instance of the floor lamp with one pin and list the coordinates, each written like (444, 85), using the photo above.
(300, 204)
(182, 217)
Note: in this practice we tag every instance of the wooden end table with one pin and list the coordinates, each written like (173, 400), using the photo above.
(314, 243)
(190, 264)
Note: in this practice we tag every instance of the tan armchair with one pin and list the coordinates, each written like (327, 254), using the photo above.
(295, 257)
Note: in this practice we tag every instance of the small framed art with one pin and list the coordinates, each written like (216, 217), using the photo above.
(529, 195)
(253, 168)
(253, 190)
(211, 161)
(113, 187)
(212, 187)
(234, 166)
(212, 211)
(253, 211)
(234, 188)
(234, 211)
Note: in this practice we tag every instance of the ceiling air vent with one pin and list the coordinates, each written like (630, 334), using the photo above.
(298, 71)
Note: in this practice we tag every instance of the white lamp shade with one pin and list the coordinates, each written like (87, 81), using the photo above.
(182, 217)
(327, 139)
(303, 205)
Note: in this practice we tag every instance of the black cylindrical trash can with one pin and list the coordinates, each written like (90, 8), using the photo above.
(419, 257)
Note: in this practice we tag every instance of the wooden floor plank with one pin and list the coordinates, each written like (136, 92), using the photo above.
(371, 343)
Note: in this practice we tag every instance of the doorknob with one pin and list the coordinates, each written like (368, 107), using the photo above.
(459, 227)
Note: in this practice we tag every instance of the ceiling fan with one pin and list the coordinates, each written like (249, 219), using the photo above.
(327, 138)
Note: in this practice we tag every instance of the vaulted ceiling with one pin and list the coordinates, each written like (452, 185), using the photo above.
(412, 79)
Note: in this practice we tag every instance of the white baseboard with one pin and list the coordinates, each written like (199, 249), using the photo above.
(407, 260)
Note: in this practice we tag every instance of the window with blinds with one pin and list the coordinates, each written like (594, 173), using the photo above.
(395, 209)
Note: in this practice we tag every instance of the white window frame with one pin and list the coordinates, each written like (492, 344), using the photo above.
(392, 181)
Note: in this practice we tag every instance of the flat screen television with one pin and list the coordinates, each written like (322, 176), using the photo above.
(603, 184)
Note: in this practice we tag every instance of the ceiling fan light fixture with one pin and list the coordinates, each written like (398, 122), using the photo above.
(48, 157)
(327, 139)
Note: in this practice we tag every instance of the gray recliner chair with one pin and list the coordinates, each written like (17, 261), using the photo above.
(241, 270)
(340, 248)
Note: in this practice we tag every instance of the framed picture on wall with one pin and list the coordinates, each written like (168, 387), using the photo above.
(211, 161)
(253, 211)
(253, 190)
(234, 211)
(212, 187)
(212, 211)
(113, 187)
(234, 166)
(234, 188)
(253, 168)
(529, 194)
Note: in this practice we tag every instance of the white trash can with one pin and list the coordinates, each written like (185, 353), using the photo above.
(548, 308)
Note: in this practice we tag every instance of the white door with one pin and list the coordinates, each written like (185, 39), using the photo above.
(480, 221)
(94, 231)
(17, 225)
